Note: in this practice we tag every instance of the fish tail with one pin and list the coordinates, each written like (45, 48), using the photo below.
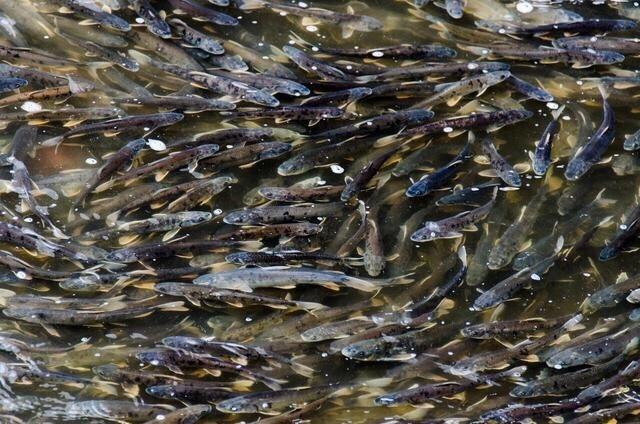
(310, 306)
(556, 113)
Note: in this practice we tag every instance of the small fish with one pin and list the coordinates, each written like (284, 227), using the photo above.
(610, 296)
(440, 177)
(451, 93)
(503, 169)
(626, 232)
(154, 251)
(529, 90)
(632, 142)
(277, 257)
(451, 227)
(95, 14)
(336, 330)
(300, 194)
(468, 196)
(288, 113)
(188, 393)
(73, 317)
(402, 51)
(248, 279)
(541, 157)
(120, 160)
(455, 8)
(201, 193)
(146, 123)
(359, 181)
(109, 55)
(616, 44)
(591, 151)
(311, 65)
(186, 104)
(508, 287)
(280, 214)
(512, 328)
(578, 27)
(152, 19)
(177, 359)
(340, 98)
(274, 402)
(187, 415)
(196, 38)
(72, 89)
(349, 22)
(116, 410)
(201, 13)
(174, 160)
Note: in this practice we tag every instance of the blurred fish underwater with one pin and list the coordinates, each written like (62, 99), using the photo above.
(275, 211)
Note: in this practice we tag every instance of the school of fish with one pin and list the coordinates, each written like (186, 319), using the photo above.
(276, 211)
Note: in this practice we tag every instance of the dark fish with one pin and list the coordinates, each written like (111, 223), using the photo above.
(592, 150)
(440, 177)
(579, 27)
(403, 51)
(541, 157)
(155, 24)
(202, 13)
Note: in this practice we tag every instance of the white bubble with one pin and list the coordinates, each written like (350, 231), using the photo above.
(553, 105)
(156, 145)
(31, 107)
(377, 54)
(217, 211)
(140, 20)
(447, 129)
(524, 7)
(337, 169)
(535, 277)
(90, 161)
(312, 28)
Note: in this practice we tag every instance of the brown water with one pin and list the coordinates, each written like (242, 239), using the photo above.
(560, 292)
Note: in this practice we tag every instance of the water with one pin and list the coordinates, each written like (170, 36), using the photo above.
(76, 350)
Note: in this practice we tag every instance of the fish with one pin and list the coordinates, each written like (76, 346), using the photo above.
(541, 156)
(627, 231)
(248, 279)
(440, 177)
(450, 227)
(115, 409)
(349, 22)
(288, 113)
(186, 104)
(201, 13)
(95, 15)
(508, 287)
(146, 123)
(187, 415)
(529, 90)
(401, 51)
(280, 214)
(270, 403)
(197, 294)
(152, 19)
(502, 168)
(577, 27)
(591, 152)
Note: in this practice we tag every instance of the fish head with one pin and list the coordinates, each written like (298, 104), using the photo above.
(25, 314)
(261, 97)
(429, 232)
(163, 391)
(366, 23)
(359, 93)
(523, 391)
(293, 166)
(385, 400)
(121, 255)
(497, 76)
(275, 149)
(172, 117)
(84, 283)
(365, 350)
(106, 372)
(576, 168)
(241, 405)
(237, 258)
(285, 134)
(167, 288)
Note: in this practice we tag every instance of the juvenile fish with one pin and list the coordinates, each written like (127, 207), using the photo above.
(155, 24)
(504, 170)
(452, 92)
(288, 113)
(248, 279)
(202, 13)
(340, 98)
(300, 194)
(120, 160)
(200, 194)
(577, 27)
(187, 104)
(348, 21)
(95, 14)
(529, 90)
(273, 402)
(146, 123)
(196, 38)
(592, 150)
(280, 214)
(440, 177)
(311, 65)
(402, 51)
(174, 160)
(626, 232)
(153, 251)
(507, 288)
(541, 157)
(451, 227)
(187, 415)
(73, 88)
(124, 410)
(188, 393)
(197, 294)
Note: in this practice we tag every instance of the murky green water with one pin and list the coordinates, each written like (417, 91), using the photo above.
(557, 292)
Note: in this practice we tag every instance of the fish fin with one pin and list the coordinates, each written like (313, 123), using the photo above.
(127, 239)
(481, 159)
(489, 173)
(49, 329)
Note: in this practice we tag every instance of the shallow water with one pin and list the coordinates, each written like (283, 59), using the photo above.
(555, 293)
